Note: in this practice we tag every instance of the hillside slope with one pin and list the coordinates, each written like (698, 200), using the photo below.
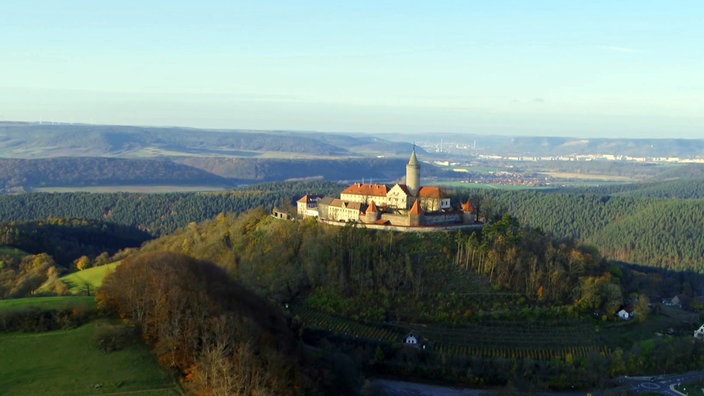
(32, 140)
(79, 172)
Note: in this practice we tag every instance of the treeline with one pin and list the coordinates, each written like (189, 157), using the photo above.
(661, 233)
(656, 232)
(157, 214)
(218, 337)
(39, 320)
(67, 240)
(531, 263)
(680, 189)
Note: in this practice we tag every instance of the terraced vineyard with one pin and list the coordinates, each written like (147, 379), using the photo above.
(516, 340)
(316, 320)
(566, 340)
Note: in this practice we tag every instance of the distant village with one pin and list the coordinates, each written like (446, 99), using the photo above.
(471, 149)
(408, 206)
(594, 157)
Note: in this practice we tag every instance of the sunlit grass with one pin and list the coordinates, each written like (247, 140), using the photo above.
(46, 303)
(86, 281)
(67, 363)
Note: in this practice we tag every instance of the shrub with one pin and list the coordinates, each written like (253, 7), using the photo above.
(109, 337)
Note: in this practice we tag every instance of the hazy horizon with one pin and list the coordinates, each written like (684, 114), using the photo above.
(543, 68)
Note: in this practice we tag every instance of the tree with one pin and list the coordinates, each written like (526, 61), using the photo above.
(82, 263)
(641, 308)
(221, 337)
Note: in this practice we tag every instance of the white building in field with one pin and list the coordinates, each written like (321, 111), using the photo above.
(699, 333)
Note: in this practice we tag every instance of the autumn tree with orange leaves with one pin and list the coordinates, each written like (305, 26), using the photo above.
(220, 338)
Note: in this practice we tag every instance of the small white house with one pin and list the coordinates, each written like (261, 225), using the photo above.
(672, 302)
(411, 340)
(699, 333)
(623, 314)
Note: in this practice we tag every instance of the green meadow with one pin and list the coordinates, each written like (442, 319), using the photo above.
(86, 281)
(480, 186)
(67, 363)
(46, 303)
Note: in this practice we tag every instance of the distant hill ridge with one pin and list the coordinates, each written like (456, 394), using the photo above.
(44, 140)
(32, 140)
(35, 155)
(25, 175)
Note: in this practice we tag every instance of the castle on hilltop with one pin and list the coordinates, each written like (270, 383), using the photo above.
(403, 205)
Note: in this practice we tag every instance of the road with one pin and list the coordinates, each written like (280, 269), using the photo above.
(661, 384)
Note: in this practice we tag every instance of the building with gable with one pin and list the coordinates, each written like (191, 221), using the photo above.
(403, 205)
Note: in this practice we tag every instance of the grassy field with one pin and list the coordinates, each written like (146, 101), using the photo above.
(455, 184)
(46, 303)
(86, 281)
(623, 334)
(588, 176)
(67, 363)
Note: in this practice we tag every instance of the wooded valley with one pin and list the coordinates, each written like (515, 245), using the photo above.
(652, 224)
(544, 277)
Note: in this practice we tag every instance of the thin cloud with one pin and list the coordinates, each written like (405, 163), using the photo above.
(622, 50)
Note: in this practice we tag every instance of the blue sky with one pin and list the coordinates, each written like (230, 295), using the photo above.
(549, 68)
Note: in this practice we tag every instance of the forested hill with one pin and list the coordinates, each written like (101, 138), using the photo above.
(79, 172)
(665, 233)
(656, 232)
(157, 214)
(688, 185)
(344, 169)
(22, 175)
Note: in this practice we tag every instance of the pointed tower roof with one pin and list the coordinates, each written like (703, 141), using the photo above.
(415, 209)
(413, 173)
(467, 207)
(413, 160)
(372, 208)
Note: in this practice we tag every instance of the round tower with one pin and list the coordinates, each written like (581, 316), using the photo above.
(413, 173)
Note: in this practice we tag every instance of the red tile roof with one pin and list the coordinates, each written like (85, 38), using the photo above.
(415, 209)
(430, 192)
(372, 208)
(467, 207)
(376, 190)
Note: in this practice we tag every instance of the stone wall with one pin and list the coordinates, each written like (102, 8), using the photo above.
(397, 220)
(409, 229)
(444, 218)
